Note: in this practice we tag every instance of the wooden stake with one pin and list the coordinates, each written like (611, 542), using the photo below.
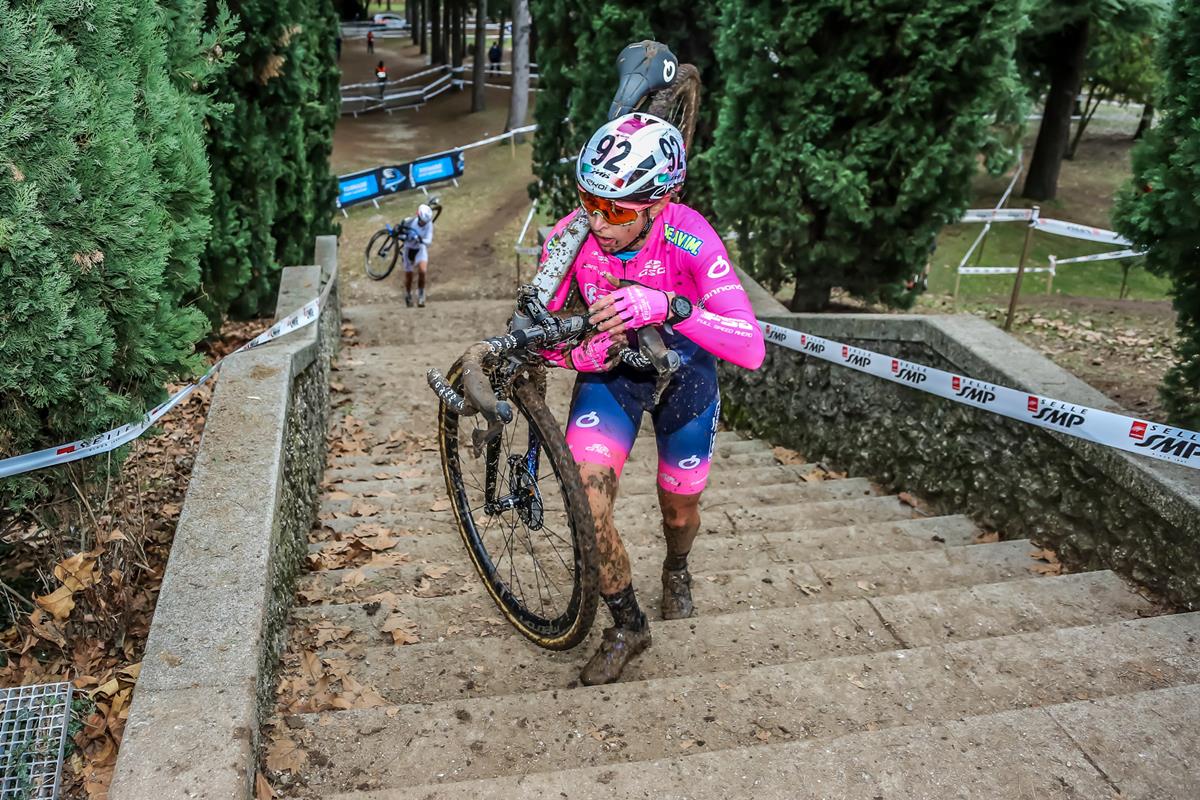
(1016, 290)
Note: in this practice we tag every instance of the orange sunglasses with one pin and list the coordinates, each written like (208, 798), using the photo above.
(613, 212)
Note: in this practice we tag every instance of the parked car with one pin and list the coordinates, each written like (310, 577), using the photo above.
(390, 20)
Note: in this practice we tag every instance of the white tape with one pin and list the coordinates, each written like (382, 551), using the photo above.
(999, 205)
(1001, 270)
(1102, 427)
(997, 215)
(307, 314)
(1110, 255)
(1076, 231)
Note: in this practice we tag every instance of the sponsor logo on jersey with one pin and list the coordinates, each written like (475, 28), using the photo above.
(652, 269)
(588, 420)
(600, 449)
(682, 239)
(719, 268)
(729, 287)
(691, 462)
(589, 291)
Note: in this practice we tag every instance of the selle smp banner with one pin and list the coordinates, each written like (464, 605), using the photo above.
(371, 184)
(1102, 427)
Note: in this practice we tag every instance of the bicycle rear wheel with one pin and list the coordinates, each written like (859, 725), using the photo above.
(679, 103)
(381, 255)
(524, 517)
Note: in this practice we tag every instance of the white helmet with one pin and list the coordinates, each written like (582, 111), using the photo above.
(636, 157)
(424, 213)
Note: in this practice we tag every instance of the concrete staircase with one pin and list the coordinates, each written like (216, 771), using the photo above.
(848, 646)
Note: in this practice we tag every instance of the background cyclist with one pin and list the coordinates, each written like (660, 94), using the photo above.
(417, 239)
(628, 175)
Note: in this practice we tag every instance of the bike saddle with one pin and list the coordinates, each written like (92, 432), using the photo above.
(642, 68)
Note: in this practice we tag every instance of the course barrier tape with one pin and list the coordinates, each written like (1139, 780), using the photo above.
(997, 215)
(1133, 435)
(102, 443)
(1112, 254)
(988, 223)
(1002, 270)
(1074, 230)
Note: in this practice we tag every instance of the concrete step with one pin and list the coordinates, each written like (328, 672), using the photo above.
(747, 588)
(466, 321)
(419, 500)
(557, 729)
(363, 481)
(509, 664)
(1065, 752)
(638, 526)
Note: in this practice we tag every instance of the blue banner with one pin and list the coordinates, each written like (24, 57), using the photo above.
(371, 184)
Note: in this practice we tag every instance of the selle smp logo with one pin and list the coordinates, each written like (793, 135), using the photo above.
(909, 373)
(811, 345)
(855, 359)
(1050, 413)
(682, 239)
(776, 335)
(1170, 443)
(972, 390)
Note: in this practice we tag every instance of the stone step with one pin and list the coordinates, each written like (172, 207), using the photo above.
(363, 481)
(460, 595)
(557, 729)
(415, 673)
(418, 501)
(465, 320)
(637, 525)
(1067, 751)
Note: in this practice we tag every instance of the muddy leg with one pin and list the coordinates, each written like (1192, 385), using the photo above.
(681, 523)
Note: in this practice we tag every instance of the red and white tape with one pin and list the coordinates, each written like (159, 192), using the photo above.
(1102, 427)
(309, 313)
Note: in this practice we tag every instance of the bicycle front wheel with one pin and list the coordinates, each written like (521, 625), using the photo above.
(381, 255)
(679, 103)
(524, 518)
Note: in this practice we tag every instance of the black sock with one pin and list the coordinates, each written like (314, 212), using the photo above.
(625, 610)
(675, 563)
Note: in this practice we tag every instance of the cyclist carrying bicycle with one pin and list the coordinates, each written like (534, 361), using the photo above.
(415, 250)
(649, 261)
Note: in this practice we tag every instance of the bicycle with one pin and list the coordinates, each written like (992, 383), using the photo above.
(534, 548)
(384, 246)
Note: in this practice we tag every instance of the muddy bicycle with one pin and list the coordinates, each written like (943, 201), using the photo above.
(514, 487)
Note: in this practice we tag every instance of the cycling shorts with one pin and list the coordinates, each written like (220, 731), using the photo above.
(413, 256)
(607, 409)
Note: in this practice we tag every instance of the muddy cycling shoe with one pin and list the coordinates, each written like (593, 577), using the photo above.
(617, 648)
(677, 594)
(408, 299)
(421, 298)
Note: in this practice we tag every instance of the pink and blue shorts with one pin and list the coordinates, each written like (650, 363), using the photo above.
(607, 409)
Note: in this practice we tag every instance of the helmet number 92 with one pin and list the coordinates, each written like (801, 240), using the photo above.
(606, 146)
(671, 151)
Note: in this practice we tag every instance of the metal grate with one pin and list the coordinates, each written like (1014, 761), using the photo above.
(33, 735)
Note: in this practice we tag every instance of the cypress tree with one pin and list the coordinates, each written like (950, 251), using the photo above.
(103, 205)
(848, 134)
(1160, 208)
(273, 192)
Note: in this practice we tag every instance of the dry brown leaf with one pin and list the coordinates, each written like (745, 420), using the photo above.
(262, 788)
(986, 537)
(435, 571)
(441, 504)
(354, 578)
(285, 755)
(58, 603)
(762, 735)
(339, 495)
(402, 629)
(787, 456)
(310, 666)
(361, 508)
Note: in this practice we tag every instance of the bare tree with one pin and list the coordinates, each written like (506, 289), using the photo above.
(518, 107)
(477, 77)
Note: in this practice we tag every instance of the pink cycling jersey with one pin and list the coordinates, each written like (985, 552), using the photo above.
(682, 254)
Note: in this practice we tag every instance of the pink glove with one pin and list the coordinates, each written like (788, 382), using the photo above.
(640, 306)
(556, 357)
(591, 356)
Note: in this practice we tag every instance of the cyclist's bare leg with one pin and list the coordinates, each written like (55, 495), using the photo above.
(421, 267)
(630, 633)
(681, 523)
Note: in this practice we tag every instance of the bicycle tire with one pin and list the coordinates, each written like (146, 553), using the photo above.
(376, 271)
(561, 631)
(679, 104)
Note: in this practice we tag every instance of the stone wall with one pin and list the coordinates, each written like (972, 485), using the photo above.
(219, 623)
(1099, 507)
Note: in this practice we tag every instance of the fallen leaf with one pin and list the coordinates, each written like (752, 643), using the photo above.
(262, 788)
(986, 537)
(763, 734)
(59, 602)
(354, 578)
(435, 571)
(402, 629)
(441, 504)
(285, 755)
(340, 495)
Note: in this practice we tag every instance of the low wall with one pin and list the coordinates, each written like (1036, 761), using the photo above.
(1098, 507)
(207, 673)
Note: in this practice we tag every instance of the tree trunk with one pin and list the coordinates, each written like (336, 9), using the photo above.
(410, 16)
(423, 24)
(1066, 74)
(477, 78)
(518, 107)
(811, 294)
(1145, 122)
(501, 37)
(438, 55)
(447, 12)
(533, 42)
(1089, 111)
(456, 24)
